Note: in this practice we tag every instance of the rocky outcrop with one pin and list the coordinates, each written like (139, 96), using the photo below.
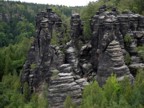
(73, 46)
(47, 63)
(112, 62)
(76, 29)
(63, 83)
(135, 41)
(114, 34)
(42, 56)
(67, 71)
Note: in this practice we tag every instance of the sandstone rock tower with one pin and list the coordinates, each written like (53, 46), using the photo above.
(66, 72)
(107, 43)
(47, 63)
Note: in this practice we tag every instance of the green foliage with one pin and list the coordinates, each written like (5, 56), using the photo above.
(125, 5)
(26, 92)
(16, 31)
(42, 97)
(54, 40)
(137, 96)
(115, 94)
(33, 66)
(19, 21)
(55, 73)
(127, 39)
(90, 10)
(10, 96)
(127, 58)
(139, 6)
(133, 5)
(112, 89)
(24, 29)
(86, 14)
(93, 96)
(68, 103)
(140, 50)
(13, 57)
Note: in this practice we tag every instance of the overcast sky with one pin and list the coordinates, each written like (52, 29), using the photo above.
(60, 2)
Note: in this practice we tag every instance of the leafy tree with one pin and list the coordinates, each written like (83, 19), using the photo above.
(13, 57)
(93, 96)
(86, 14)
(139, 6)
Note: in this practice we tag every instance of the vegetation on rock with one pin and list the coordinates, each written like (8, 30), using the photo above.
(114, 94)
(17, 27)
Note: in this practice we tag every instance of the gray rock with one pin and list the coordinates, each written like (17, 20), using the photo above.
(137, 65)
(109, 65)
(68, 68)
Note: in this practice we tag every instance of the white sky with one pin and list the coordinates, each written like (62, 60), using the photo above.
(59, 2)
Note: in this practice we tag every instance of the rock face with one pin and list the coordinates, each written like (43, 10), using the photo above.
(47, 63)
(76, 29)
(65, 84)
(73, 47)
(113, 35)
(112, 61)
(67, 71)
(42, 56)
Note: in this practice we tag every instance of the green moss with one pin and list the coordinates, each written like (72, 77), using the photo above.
(33, 66)
(55, 73)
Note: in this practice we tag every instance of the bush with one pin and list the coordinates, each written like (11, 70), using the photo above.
(115, 94)
(127, 58)
(68, 103)
(127, 39)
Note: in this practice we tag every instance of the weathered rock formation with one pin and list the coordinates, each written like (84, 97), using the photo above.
(47, 63)
(67, 71)
(63, 83)
(42, 56)
(112, 62)
(107, 44)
